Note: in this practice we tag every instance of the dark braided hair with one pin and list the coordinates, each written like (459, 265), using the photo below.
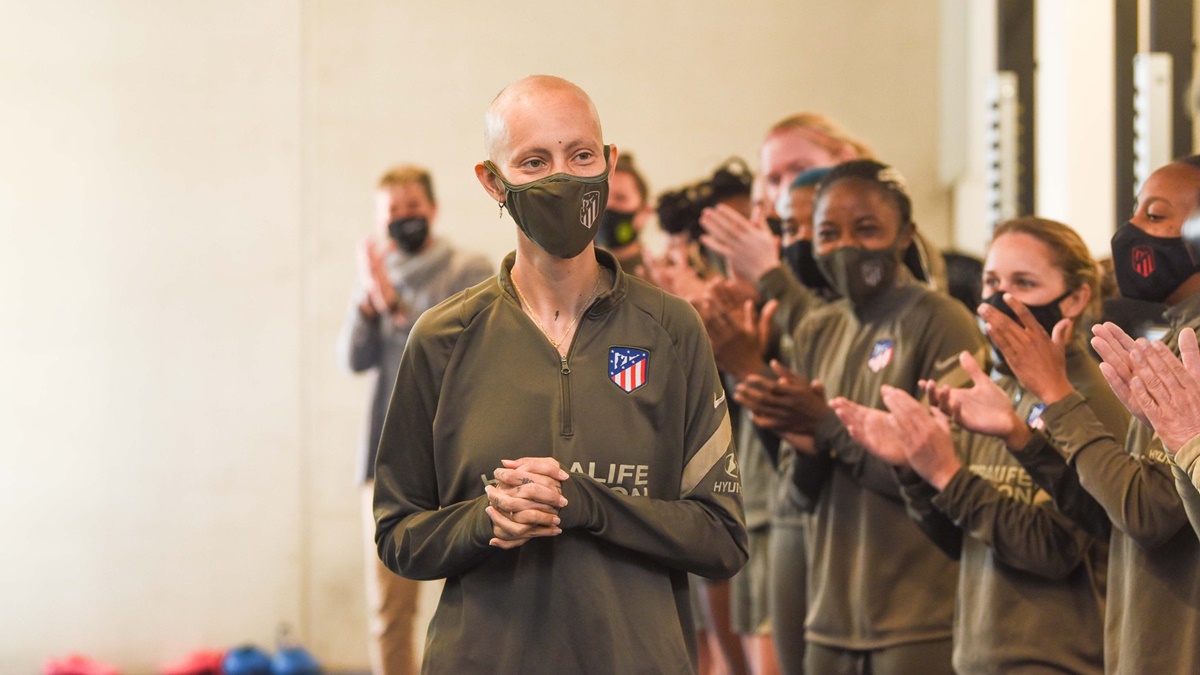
(885, 178)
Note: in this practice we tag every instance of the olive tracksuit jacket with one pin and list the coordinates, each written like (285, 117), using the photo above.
(875, 581)
(1187, 480)
(637, 415)
(1153, 604)
(1031, 581)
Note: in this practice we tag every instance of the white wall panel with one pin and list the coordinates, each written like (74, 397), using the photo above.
(150, 271)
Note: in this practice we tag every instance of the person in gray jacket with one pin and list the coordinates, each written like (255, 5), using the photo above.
(403, 270)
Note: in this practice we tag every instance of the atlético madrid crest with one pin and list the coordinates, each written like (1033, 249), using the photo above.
(1035, 420)
(1143, 260)
(590, 211)
(881, 355)
(628, 368)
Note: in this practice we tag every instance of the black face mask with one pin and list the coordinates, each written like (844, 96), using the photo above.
(410, 233)
(616, 229)
(1048, 315)
(775, 224)
(799, 256)
(1149, 267)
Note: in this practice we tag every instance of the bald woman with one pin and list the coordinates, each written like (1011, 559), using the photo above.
(558, 444)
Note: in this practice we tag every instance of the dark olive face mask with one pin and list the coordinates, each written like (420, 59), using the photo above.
(858, 274)
(559, 213)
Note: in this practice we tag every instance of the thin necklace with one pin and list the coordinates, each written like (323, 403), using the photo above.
(578, 314)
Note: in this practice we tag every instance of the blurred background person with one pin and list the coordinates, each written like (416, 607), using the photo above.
(686, 264)
(626, 215)
(403, 270)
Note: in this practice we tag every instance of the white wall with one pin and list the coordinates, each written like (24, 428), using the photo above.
(1075, 119)
(968, 64)
(152, 396)
(181, 188)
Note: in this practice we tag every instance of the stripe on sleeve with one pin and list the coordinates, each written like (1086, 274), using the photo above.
(707, 457)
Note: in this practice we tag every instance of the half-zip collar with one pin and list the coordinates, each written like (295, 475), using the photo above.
(606, 300)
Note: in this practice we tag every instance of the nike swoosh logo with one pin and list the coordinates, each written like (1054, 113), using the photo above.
(943, 365)
(718, 401)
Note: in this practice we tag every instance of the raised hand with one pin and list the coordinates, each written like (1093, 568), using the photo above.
(983, 408)
(739, 334)
(748, 245)
(1037, 359)
(1168, 391)
(1116, 349)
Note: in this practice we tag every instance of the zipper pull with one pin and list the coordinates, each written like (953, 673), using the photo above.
(566, 370)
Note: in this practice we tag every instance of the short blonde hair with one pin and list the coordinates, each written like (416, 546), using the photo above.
(408, 175)
(829, 134)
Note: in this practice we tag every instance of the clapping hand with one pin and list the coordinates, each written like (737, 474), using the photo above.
(983, 408)
(872, 428)
(788, 404)
(748, 245)
(924, 433)
(1116, 349)
(740, 335)
(381, 296)
(674, 274)
(1167, 390)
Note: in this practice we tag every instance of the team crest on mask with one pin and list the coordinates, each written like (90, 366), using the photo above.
(881, 355)
(628, 368)
(872, 272)
(1035, 417)
(590, 210)
(1143, 260)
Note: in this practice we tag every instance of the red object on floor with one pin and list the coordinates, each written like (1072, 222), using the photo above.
(201, 662)
(77, 664)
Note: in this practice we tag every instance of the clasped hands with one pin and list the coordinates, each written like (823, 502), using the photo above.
(525, 500)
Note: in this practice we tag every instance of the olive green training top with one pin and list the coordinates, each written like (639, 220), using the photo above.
(1027, 571)
(788, 505)
(1187, 479)
(875, 580)
(1153, 610)
(635, 413)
